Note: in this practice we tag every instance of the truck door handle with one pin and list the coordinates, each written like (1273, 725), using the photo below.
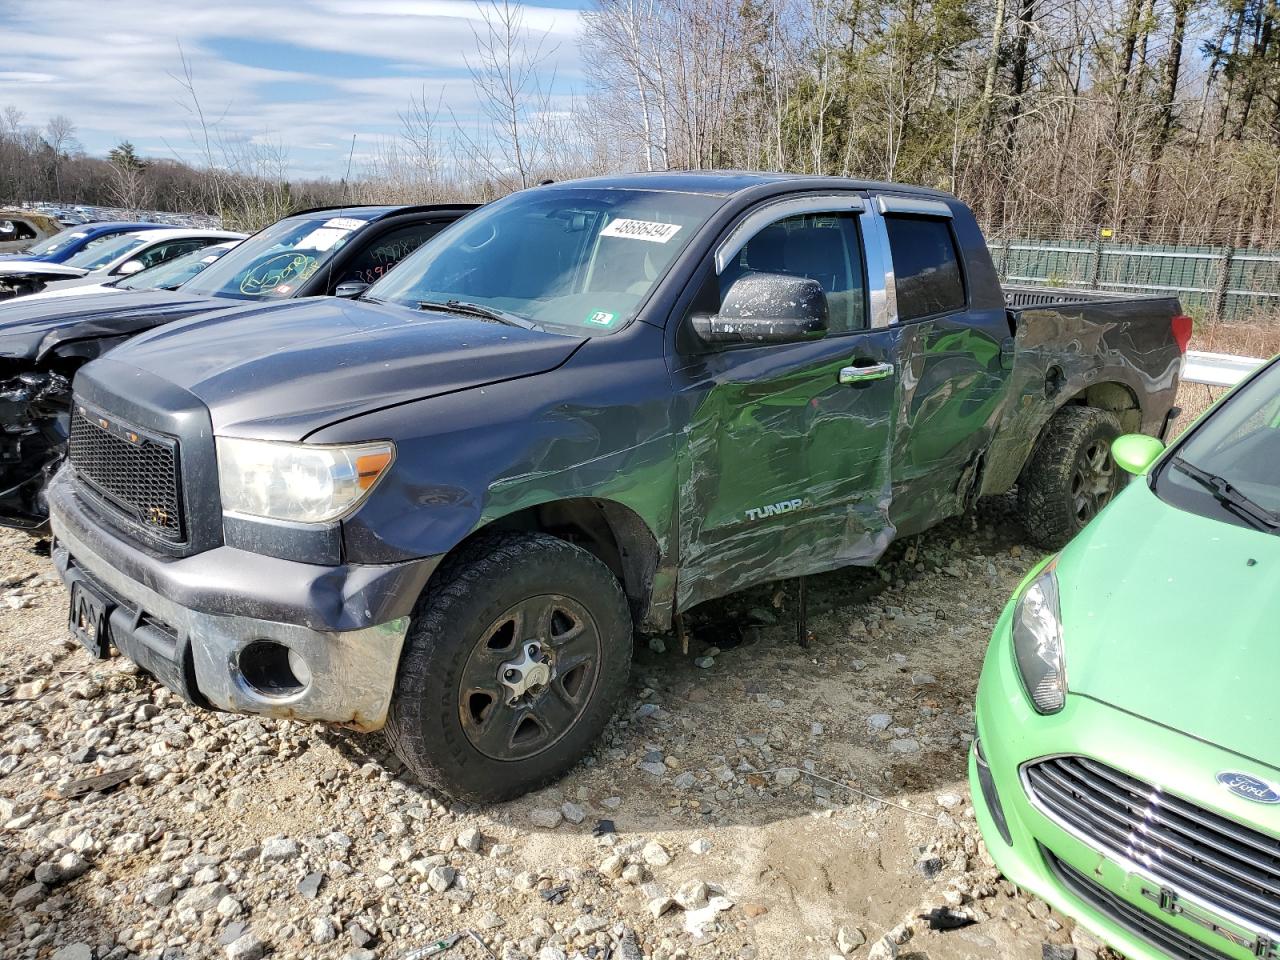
(876, 371)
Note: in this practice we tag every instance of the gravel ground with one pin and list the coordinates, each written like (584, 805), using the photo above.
(753, 799)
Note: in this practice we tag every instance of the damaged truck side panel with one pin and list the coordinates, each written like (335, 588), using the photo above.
(604, 428)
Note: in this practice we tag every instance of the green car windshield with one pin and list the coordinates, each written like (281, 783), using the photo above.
(577, 260)
(274, 262)
(1238, 444)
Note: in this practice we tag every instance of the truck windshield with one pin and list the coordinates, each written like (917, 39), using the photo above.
(1228, 468)
(570, 259)
(274, 262)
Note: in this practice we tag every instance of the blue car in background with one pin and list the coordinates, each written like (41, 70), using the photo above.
(74, 239)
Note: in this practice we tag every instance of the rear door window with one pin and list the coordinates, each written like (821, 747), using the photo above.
(926, 267)
(163, 252)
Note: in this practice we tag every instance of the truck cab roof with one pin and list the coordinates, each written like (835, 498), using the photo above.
(726, 183)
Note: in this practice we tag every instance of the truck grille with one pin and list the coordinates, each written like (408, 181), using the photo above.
(1139, 923)
(133, 473)
(1228, 867)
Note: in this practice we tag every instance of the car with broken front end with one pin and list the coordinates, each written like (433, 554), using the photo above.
(43, 340)
(442, 508)
(1126, 768)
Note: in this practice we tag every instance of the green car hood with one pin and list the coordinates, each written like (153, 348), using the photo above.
(1163, 616)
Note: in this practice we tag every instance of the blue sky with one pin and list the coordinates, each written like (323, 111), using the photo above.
(306, 74)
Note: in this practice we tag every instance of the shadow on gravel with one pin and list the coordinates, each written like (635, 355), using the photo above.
(750, 727)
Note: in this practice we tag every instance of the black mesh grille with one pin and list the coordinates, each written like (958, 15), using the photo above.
(138, 478)
(1223, 864)
(1139, 923)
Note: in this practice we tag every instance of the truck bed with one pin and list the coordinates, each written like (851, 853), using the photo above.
(1030, 296)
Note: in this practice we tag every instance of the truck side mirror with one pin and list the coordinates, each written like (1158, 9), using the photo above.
(767, 308)
(350, 290)
(1136, 452)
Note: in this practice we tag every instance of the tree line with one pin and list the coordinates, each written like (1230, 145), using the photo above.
(1158, 120)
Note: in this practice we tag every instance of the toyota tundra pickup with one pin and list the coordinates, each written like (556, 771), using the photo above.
(44, 341)
(443, 507)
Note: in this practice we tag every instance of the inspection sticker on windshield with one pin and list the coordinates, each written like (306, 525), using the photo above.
(344, 223)
(649, 230)
(602, 319)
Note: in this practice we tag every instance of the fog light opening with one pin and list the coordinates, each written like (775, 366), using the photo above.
(273, 670)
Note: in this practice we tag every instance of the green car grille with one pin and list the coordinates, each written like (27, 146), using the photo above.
(1195, 857)
(1142, 925)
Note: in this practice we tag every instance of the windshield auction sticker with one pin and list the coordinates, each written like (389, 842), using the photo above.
(649, 230)
(602, 318)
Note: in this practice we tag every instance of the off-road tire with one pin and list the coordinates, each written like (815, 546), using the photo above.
(471, 589)
(1048, 503)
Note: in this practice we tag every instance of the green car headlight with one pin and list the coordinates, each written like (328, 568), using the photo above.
(1037, 643)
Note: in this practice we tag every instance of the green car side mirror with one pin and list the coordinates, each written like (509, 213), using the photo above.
(1136, 452)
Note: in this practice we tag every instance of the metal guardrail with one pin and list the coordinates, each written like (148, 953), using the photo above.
(1217, 369)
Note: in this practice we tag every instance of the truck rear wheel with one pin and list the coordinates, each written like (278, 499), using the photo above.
(1071, 475)
(515, 659)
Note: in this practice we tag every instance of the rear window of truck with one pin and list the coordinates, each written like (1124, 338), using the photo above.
(926, 267)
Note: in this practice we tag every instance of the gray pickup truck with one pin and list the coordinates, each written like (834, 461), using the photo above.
(443, 507)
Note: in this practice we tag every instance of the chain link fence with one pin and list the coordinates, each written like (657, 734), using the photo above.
(1213, 282)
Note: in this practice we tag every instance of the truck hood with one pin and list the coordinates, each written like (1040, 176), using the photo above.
(38, 268)
(285, 370)
(32, 326)
(1164, 617)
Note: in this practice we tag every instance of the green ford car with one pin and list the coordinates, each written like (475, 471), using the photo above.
(1127, 764)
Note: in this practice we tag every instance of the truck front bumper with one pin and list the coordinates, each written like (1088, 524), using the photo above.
(242, 632)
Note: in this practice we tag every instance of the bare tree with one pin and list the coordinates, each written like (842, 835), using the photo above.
(506, 71)
(60, 134)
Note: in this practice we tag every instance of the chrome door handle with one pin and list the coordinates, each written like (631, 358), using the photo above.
(876, 371)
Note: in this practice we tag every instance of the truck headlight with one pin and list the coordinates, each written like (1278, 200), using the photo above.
(1037, 643)
(305, 482)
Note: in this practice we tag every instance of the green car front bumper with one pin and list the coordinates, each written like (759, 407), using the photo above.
(1118, 890)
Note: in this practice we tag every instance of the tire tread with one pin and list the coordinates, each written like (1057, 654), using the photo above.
(1045, 485)
(486, 559)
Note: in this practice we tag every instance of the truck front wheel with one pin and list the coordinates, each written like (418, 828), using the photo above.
(514, 661)
(1071, 475)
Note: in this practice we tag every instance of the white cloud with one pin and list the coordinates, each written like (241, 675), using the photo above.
(111, 67)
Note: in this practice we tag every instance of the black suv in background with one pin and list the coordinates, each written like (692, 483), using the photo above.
(312, 253)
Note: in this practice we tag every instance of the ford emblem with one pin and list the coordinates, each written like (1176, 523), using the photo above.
(1251, 788)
